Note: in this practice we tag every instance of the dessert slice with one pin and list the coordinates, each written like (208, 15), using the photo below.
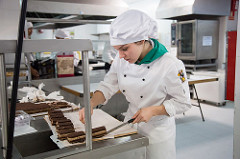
(56, 116)
(99, 132)
(68, 123)
(80, 136)
(63, 121)
(70, 127)
(76, 137)
(62, 134)
(57, 105)
(32, 108)
(55, 119)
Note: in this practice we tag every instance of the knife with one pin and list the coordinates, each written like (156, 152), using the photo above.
(121, 125)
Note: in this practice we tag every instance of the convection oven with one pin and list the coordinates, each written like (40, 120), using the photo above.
(195, 39)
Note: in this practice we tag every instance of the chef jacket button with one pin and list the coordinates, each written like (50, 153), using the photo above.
(143, 79)
(125, 75)
(141, 96)
(148, 67)
(123, 90)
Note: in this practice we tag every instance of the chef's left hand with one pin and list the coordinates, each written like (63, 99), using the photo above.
(143, 115)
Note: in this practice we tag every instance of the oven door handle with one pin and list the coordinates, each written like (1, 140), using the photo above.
(178, 42)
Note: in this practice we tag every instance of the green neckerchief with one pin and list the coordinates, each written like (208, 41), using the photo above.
(155, 53)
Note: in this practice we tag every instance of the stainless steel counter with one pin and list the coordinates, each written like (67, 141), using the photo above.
(39, 145)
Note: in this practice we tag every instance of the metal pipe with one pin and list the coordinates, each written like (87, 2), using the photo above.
(29, 69)
(3, 104)
(16, 78)
(68, 21)
(86, 100)
(26, 55)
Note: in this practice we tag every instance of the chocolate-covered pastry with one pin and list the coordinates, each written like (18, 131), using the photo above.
(57, 105)
(56, 116)
(63, 121)
(99, 132)
(62, 134)
(76, 137)
(55, 119)
(64, 124)
(32, 108)
(69, 127)
(51, 112)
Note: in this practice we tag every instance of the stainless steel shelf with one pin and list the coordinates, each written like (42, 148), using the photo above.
(9, 46)
(33, 141)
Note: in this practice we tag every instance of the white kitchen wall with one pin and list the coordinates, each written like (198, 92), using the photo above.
(232, 24)
(43, 34)
(221, 60)
(9, 17)
(85, 31)
(103, 28)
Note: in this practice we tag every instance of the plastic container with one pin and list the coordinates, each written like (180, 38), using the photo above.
(22, 118)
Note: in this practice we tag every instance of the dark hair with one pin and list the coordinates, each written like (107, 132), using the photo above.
(144, 42)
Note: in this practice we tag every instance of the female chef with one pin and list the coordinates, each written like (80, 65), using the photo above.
(152, 80)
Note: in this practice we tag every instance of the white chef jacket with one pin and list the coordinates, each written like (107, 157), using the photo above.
(109, 53)
(147, 85)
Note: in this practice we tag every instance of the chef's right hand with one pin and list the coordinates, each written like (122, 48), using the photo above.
(82, 115)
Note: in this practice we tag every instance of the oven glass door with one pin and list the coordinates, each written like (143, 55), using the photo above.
(186, 43)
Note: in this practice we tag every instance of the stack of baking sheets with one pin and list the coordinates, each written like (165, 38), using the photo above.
(99, 118)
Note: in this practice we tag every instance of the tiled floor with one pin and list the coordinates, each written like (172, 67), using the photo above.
(212, 139)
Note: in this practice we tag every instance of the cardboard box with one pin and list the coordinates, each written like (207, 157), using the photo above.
(65, 66)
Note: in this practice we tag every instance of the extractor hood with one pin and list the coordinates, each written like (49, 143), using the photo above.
(192, 9)
(51, 14)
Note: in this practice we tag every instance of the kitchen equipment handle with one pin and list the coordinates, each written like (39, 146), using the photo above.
(131, 120)
(178, 42)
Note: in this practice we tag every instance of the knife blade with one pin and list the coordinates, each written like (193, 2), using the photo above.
(121, 125)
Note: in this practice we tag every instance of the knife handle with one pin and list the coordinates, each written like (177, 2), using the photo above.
(131, 120)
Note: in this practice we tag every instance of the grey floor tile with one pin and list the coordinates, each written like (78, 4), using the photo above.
(212, 139)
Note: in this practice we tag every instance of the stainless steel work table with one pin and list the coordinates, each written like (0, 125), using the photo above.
(39, 145)
(197, 81)
(77, 89)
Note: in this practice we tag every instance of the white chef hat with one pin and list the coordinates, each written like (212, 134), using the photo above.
(29, 25)
(132, 26)
(61, 34)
